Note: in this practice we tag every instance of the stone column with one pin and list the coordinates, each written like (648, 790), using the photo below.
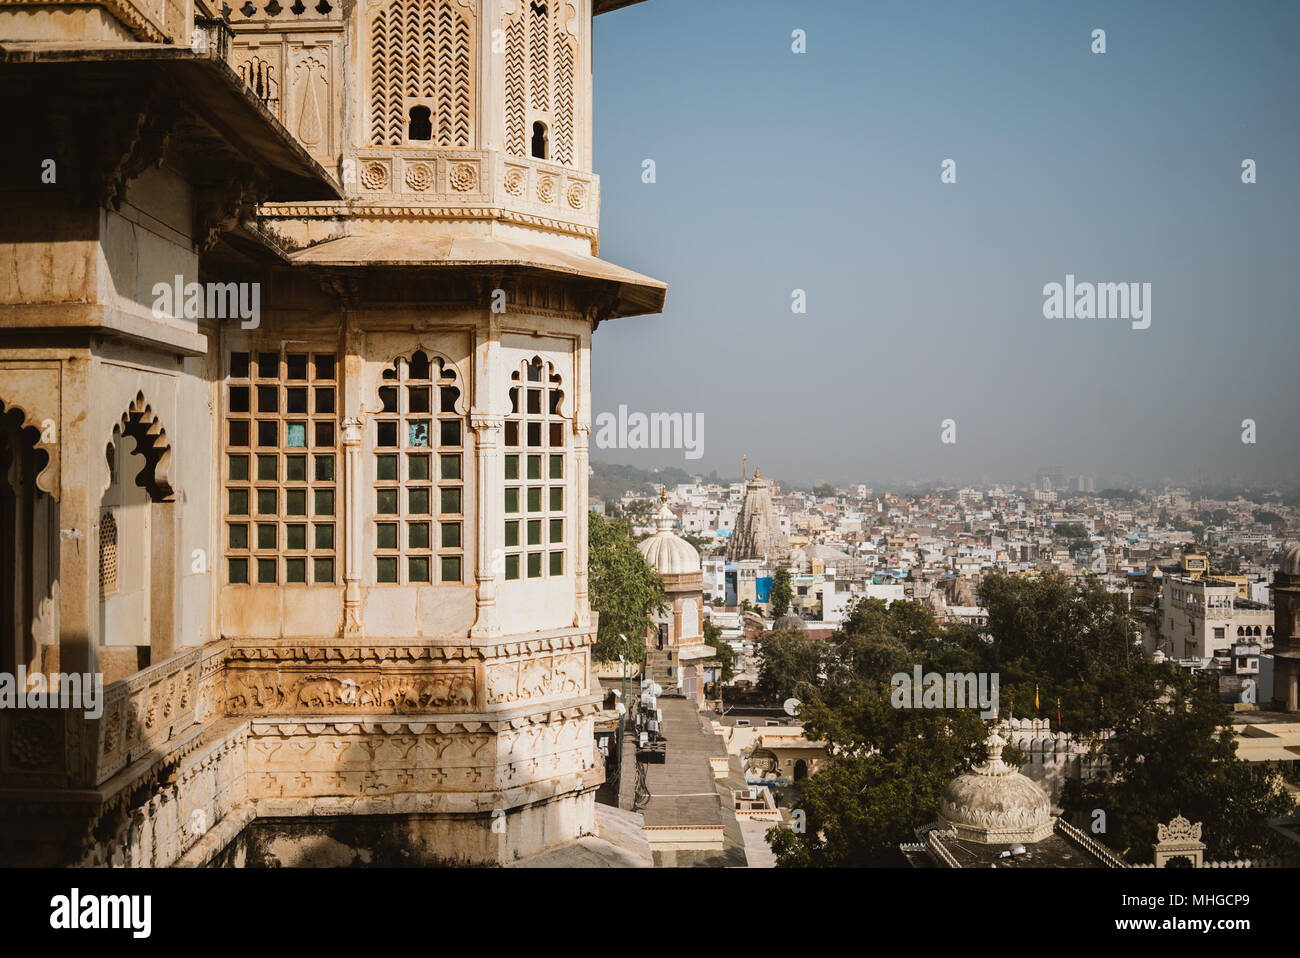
(582, 605)
(1293, 688)
(353, 501)
(489, 531)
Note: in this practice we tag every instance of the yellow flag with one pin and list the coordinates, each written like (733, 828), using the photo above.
(1035, 696)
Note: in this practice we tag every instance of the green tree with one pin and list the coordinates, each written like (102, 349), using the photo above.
(726, 655)
(624, 589)
(1172, 756)
(782, 593)
(882, 780)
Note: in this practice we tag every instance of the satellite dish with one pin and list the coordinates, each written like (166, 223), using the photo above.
(791, 706)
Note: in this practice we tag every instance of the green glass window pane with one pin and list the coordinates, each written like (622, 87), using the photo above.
(512, 567)
(534, 532)
(295, 468)
(324, 468)
(267, 468)
(557, 531)
(324, 502)
(295, 536)
(266, 570)
(386, 502)
(417, 535)
(266, 500)
(386, 468)
(386, 535)
(266, 535)
(512, 533)
(450, 535)
(557, 467)
(386, 569)
(323, 571)
(417, 433)
(534, 499)
(557, 563)
(238, 468)
(557, 498)
(297, 435)
(449, 467)
(512, 467)
(237, 570)
(237, 502)
(417, 569)
(512, 500)
(534, 467)
(417, 501)
(534, 434)
(295, 502)
(324, 535)
(295, 570)
(238, 535)
(450, 571)
(450, 501)
(417, 467)
(534, 565)
(449, 432)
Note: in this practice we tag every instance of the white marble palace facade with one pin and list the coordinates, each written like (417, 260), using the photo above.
(294, 409)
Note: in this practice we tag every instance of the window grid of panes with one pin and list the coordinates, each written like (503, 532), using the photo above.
(418, 441)
(281, 468)
(535, 476)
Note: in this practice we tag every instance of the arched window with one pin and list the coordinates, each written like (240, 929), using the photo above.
(421, 127)
(539, 140)
(535, 473)
(419, 508)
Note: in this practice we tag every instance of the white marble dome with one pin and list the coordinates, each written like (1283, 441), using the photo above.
(1291, 560)
(994, 804)
(667, 552)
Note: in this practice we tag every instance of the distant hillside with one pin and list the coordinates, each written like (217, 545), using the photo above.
(611, 482)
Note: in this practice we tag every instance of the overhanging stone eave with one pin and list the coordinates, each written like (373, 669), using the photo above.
(623, 292)
(211, 91)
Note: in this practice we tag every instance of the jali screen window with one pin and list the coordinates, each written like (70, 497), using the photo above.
(281, 467)
(535, 475)
(419, 492)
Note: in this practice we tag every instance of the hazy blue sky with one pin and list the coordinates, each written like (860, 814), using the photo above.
(821, 171)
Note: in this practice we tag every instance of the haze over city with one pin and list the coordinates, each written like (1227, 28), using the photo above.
(821, 172)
